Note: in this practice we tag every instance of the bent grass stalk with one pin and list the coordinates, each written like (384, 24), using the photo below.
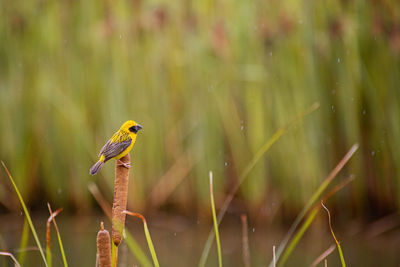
(334, 237)
(28, 217)
(148, 237)
(313, 199)
(48, 237)
(215, 221)
(11, 256)
(253, 162)
(58, 236)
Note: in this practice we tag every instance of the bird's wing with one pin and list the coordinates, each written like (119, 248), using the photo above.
(104, 147)
(116, 145)
(114, 149)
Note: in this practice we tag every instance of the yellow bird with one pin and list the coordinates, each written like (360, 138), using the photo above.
(118, 146)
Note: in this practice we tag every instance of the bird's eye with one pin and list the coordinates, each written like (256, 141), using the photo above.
(133, 129)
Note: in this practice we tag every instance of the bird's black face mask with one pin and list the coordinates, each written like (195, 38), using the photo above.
(136, 128)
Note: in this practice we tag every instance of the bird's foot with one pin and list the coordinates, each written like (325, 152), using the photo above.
(126, 165)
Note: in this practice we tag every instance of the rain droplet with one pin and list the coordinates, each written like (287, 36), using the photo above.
(373, 153)
(242, 127)
(338, 60)
(226, 163)
(120, 36)
(175, 234)
(254, 229)
(333, 108)
(59, 190)
(364, 112)
(270, 54)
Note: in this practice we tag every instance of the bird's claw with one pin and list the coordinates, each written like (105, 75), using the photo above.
(126, 165)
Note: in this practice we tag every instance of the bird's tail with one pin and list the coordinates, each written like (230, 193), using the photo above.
(96, 167)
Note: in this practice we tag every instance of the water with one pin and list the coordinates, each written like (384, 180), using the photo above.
(179, 241)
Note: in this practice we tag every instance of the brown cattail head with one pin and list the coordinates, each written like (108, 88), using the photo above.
(103, 247)
(120, 198)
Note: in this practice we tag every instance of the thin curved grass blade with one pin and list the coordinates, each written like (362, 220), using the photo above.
(28, 217)
(334, 237)
(215, 221)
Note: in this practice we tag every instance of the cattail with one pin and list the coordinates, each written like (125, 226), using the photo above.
(120, 199)
(103, 247)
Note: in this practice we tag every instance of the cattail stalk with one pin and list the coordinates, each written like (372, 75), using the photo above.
(120, 199)
(103, 247)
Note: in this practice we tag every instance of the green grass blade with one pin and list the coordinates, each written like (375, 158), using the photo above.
(215, 221)
(341, 255)
(148, 237)
(150, 243)
(48, 256)
(253, 162)
(298, 236)
(58, 234)
(334, 237)
(24, 242)
(313, 199)
(28, 217)
(137, 251)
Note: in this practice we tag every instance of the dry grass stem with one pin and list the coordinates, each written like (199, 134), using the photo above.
(105, 206)
(58, 236)
(323, 256)
(120, 199)
(16, 263)
(103, 247)
(245, 241)
(48, 226)
(170, 180)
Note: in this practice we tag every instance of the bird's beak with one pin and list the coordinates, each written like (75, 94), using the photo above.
(138, 127)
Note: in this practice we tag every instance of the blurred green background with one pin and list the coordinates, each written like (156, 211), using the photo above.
(210, 81)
